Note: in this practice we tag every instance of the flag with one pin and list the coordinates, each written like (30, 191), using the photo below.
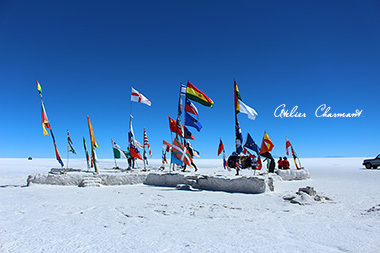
(134, 151)
(175, 128)
(188, 134)
(57, 156)
(259, 165)
(117, 152)
(45, 121)
(196, 95)
(181, 152)
(138, 97)
(164, 157)
(145, 156)
(246, 152)
(190, 108)
(166, 146)
(294, 158)
(266, 145)
(190, 121)
(87, 156)
(70, 144)
(239, 137)
(224, 160)
(39, 89)
(221, 147)
(247, 110)
(249, 143)
(196, 153)
(175, 160)
(146, 142)
(92, 136)
(241, 107)
(287, 146)
(138, 144)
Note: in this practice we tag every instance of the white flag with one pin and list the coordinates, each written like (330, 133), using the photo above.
(247, 110)
(138, 97)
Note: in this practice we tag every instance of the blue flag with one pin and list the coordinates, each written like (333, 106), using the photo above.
(190, 121)
(239, 137)
(175, 160)
(250, 143)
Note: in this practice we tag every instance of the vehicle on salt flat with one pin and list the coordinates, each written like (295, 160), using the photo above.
(372, 163)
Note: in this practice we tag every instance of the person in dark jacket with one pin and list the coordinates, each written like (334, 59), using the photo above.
(285, 164)
(279, 163)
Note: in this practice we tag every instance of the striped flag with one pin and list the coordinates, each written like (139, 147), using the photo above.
(196, 95)
(85, 150)
(146, 142)
(221, 147)
(117, 152)
(166, 146)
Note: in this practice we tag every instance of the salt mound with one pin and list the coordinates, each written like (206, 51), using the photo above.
(86, 179)
(289, 175)
(256, 184)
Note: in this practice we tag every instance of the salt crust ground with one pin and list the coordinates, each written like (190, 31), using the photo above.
(141, 218)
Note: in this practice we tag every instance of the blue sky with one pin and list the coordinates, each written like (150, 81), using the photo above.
(88, 55)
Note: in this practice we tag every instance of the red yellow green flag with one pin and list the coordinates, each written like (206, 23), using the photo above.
(237, 98)
(196, 95)
(45, 121)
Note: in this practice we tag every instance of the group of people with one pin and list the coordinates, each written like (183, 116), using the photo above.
(283, 164)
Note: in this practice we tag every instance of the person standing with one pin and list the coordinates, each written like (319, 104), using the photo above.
(285, 164)
(279, 163)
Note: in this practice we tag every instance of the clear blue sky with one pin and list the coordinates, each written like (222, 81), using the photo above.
(88, 54)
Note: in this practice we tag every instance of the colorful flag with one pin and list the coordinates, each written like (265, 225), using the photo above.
(70, 144)
(146, 142)
(295, 158)
(196, 153)
(246, 152)
(241, 107)
(190, 108)
(164, 157)
(249, 143)
(190, 121)
(181, 152)
(221, 147)
(39, 89)
(92, 136)
(239, 137)
(134, 151)
(117, 152)
(259, 165)
(57, 156)
(45, 121)
(140, 98)
(175, 128)
(175, 160)
(287, 146)
(196, 95)
(166, 146)
(188, 134)
(87, 156)
(266, 145)
(145, 156)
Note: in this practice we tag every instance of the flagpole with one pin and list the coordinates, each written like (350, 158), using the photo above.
(144, 150)
(67, 162)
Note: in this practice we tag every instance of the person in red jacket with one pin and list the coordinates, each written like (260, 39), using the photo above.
(279, 163)
(285, 164)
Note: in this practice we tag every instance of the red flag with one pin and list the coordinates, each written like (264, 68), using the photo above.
(221, 147)
(287, 146)
(135, 152)
(246, 152)
(175, 128)
(259, 165)
(166, 146)
(266, 145)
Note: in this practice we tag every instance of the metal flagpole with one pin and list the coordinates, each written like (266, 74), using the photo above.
(67, 162)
